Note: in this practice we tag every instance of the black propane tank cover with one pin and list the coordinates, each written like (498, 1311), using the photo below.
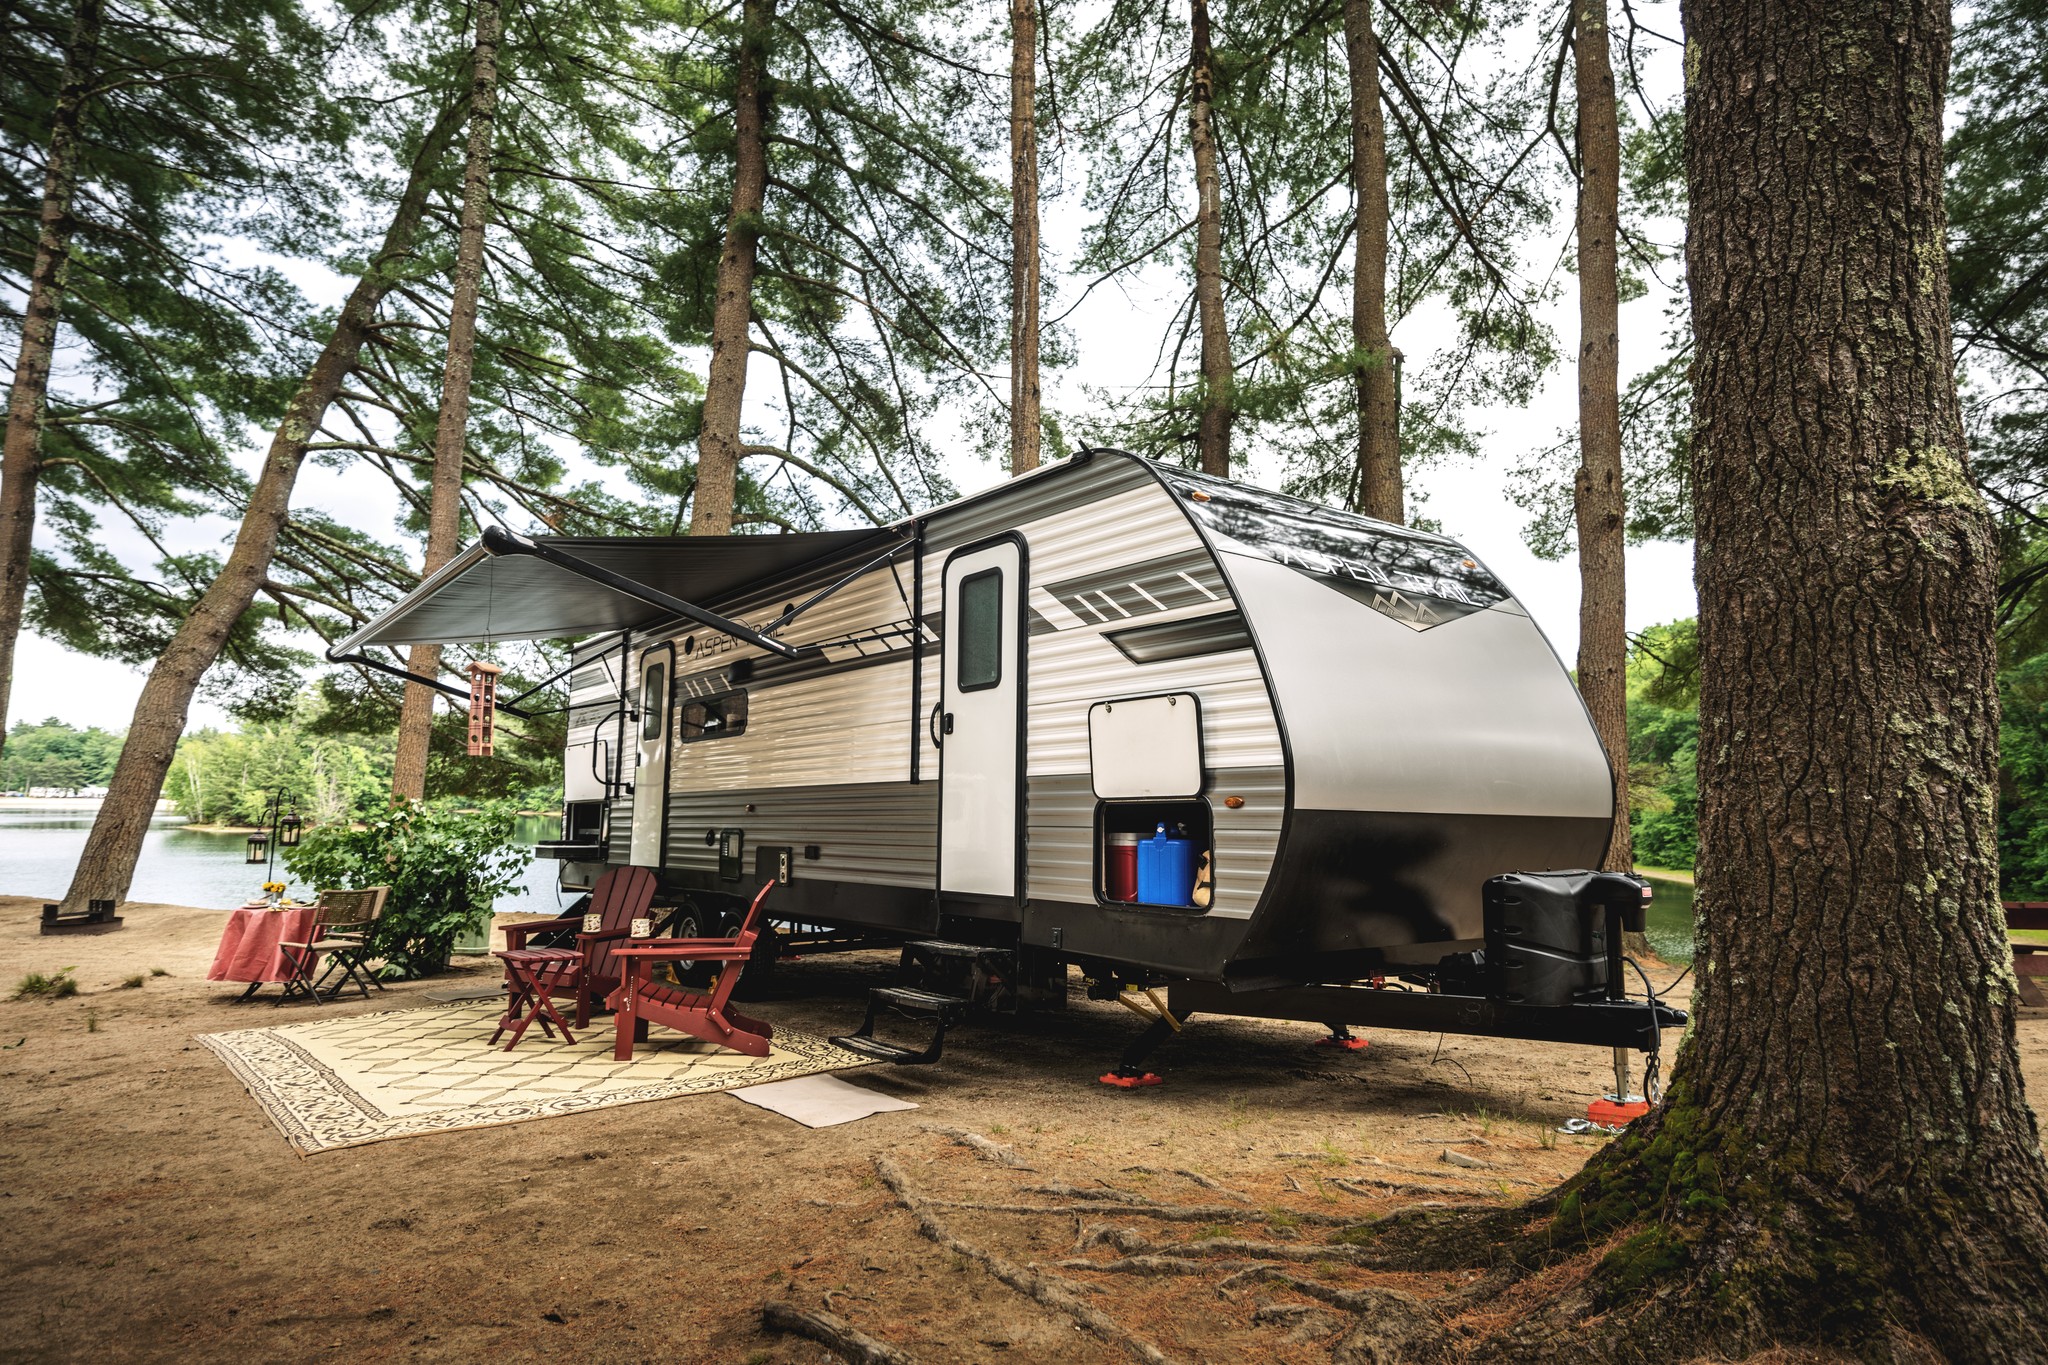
(1546, 937)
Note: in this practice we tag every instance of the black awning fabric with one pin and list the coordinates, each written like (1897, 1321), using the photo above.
(479, 597)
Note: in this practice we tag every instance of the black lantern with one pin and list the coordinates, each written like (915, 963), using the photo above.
(288, 828)
(259, 848)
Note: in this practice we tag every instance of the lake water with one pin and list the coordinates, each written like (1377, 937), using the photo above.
(1670, 930)
(182, 866)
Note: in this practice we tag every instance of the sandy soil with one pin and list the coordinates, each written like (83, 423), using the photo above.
(155, 1213)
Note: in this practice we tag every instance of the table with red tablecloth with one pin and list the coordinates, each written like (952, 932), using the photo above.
(248, 945)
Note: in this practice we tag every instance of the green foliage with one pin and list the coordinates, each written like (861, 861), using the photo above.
(55, 986)
(446, 865)
(56, 755)
(2023, 780)
(1663, 744)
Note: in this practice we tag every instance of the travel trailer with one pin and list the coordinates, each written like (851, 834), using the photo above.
(1225, 750)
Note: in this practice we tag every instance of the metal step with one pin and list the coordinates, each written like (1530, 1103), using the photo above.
(912, 1000)
(940, 1010)
(941, 948)
(881, 1051)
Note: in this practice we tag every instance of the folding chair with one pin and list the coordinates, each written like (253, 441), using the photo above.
(341, 924)
(349, 951)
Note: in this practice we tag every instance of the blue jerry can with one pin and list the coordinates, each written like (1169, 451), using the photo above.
(1166, 869)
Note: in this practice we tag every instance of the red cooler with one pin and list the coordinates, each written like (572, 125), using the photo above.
(1120, 866)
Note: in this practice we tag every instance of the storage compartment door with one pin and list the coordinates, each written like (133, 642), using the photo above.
(1146, 748)
(650, 771)
(979, 721)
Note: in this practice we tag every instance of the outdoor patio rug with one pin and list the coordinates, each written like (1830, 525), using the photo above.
(344, 1082)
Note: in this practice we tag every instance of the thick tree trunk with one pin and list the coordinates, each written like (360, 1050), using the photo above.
(107, 865)
(21, 464)
(451, 431)
(1597, 490)
(1024, 398)
(718, 445)
(1377, 485)
(1846, 1155)
(1219, 402)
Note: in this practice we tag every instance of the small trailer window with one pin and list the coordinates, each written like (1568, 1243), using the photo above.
(653, 701)
(714, 717)
(981, 630)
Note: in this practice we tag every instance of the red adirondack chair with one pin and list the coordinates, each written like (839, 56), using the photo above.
(620, 896)
(640, 1000)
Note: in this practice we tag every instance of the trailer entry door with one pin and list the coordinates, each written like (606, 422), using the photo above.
(979, 721)
(650, 772)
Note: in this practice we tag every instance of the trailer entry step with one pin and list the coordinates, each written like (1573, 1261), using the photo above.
(941, 1011)
(940, 948)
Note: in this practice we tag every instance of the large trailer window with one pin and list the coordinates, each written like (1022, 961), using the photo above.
(714, 717)
(1418, 579)
(981, 631)
(653, 701)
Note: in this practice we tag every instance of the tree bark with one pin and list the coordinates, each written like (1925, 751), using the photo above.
(107, 865)
(21, 462)
(1219, 403)
(1024, 255)
(718, 445)
(451, 430)
(1597, 496)
(1846, 1156)
(1377, 484)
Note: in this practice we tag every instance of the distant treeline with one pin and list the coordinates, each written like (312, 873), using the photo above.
(329, 772)
(54, 756)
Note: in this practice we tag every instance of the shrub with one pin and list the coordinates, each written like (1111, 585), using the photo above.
(446, 864)
(133, 983)
(54, 987)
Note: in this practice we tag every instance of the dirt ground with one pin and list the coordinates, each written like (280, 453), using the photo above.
(155, 1213)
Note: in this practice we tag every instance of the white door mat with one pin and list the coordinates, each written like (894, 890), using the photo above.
(819, 1101)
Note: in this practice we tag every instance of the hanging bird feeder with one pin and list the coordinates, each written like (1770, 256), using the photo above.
(483, 706)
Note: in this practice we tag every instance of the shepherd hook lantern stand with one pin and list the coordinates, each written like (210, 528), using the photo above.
(282, 827)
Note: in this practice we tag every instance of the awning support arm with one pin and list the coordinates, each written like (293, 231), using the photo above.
(499, 541)
(365, 661)
(821, 594)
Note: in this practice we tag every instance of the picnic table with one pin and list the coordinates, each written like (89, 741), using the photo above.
(2029, 959)
(248, 945)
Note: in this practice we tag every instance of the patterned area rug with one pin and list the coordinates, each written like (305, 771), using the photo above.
(344, 1082)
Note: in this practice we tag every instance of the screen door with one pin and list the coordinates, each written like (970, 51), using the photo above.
(650, 770)
(978, 721)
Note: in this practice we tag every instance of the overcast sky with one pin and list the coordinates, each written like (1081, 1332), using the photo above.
(1116, 332)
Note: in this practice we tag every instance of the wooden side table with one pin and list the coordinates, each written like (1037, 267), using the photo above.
(534, 975)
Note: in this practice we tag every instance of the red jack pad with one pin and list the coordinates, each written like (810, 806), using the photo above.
(1131, 1082)
(1616, 1115)
(1348, 1044)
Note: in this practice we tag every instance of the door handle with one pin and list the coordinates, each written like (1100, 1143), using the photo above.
(932, 725)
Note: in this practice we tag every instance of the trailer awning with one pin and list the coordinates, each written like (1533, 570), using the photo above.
(479, 597)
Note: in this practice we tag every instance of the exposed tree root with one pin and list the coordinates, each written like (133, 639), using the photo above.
(1171, 1213)
(1050, 1290)
(829, 1329)
(1197, 1178)
(1065, 1191)
(1151, 1264)
(1209, 1248)
(1371, 1188)
(1394, 1327)
(985, 1148)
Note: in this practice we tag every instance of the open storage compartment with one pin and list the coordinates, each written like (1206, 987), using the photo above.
(1128, 855)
